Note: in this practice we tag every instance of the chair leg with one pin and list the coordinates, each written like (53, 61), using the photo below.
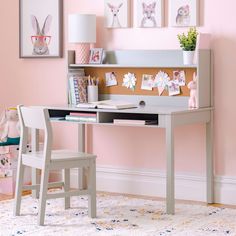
(19, 185)
(92, 205)
(43, 196)
(66, 173)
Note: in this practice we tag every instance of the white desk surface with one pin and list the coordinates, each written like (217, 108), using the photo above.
(167, 110)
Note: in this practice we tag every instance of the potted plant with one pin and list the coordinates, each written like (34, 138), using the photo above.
(188, 44)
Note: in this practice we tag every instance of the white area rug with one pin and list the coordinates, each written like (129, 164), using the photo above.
(117, 215)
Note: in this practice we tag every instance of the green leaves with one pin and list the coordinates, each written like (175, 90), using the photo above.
(188, 42)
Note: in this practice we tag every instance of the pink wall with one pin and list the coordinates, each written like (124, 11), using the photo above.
(36, 81)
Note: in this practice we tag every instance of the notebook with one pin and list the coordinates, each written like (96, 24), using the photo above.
(107, 104)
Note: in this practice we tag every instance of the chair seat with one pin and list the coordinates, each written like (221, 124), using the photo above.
(63, 155)
(35, 159)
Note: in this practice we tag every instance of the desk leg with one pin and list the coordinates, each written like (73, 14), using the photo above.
(35, 176)
(170, 176)
(81, 148)
(209, 161)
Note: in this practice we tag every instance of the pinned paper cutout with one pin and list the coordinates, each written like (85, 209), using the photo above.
(173, 88)
(129, 81)
(160, 90)
(161, 81)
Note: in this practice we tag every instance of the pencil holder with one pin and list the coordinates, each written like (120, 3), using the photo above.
(92, 93)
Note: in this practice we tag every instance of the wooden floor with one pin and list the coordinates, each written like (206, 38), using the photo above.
(7, 197)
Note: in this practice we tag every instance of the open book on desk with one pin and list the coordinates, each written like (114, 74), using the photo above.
(107, 104)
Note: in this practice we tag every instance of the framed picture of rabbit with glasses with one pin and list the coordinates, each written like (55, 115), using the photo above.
(40, 27)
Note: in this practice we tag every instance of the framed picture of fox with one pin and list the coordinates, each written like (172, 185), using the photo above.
(184, 13)
(150, 13)
(40, 28)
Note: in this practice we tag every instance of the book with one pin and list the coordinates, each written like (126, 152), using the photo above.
(81, 118)
(107, 104)
(74, 90)
(135, 122)
(74, 93)
(57, 118)
(83, 114)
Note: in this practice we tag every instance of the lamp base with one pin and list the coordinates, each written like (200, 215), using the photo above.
(82, 51)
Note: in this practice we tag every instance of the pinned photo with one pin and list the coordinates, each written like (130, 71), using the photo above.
(147, 82)
(179, 77)
(110, 79)
(173, 88)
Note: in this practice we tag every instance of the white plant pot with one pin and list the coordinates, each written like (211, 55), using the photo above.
(188, 57)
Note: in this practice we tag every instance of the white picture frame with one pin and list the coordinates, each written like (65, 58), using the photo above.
(96, 56)
(184, 13)
(117, 13)
(40, 28)
(150, 13)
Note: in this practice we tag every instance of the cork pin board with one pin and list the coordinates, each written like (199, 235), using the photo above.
(120, 72)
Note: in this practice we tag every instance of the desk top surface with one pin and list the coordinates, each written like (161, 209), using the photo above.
(167, 110)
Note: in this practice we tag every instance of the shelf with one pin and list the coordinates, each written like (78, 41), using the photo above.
(130, 66)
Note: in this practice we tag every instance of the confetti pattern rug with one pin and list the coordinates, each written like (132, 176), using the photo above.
(117, 215)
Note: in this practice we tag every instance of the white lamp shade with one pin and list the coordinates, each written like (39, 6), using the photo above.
(82, 28)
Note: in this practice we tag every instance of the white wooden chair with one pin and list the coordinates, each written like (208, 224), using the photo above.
(46, 160)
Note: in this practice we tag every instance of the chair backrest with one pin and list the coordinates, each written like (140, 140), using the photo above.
(35, 118)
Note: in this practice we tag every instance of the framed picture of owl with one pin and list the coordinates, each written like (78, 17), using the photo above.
(150, 13)
(184, 13)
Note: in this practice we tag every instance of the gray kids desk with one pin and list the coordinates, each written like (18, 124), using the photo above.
(169, 112)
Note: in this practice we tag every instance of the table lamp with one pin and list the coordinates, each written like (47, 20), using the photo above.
(82, 32)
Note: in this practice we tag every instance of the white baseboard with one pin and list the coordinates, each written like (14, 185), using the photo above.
(152, 183)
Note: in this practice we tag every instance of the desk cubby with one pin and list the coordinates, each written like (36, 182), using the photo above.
(63, 113)
(108, 117)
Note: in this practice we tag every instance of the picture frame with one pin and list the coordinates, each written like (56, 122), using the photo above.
(150, 13)
(117, 13)
(184, 13)
(40, 28)
(96, 56)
